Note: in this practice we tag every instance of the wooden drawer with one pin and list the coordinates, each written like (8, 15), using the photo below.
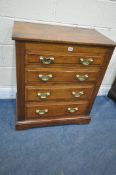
(44, 110)
(57, 93)
(52, 59)
(60, 75)
(65, 48)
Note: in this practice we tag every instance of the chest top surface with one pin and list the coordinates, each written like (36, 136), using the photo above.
(58, 34)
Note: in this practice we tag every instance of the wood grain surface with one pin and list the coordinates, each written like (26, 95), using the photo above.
(51, 33)
(58, 93)
(55, 109)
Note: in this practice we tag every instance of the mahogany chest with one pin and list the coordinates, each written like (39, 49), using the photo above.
(59, 71)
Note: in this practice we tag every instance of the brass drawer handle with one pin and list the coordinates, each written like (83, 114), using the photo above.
(82, 77)
(77, 94)
(45, 77)
(86, 61)
(46, 60)
(71, 110)
(43, 95)
(41, 112)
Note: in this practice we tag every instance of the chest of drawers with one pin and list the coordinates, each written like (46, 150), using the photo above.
(59, 71)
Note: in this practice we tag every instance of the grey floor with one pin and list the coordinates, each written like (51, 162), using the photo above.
(60, 150)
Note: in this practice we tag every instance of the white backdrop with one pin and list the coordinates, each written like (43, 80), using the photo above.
(98, 14)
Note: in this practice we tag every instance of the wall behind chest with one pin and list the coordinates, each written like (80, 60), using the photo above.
(98, 14)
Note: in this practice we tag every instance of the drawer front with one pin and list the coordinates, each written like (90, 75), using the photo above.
(42, 110)
(65, 48)
(52, 75)
(52, 59)
(57, 93)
